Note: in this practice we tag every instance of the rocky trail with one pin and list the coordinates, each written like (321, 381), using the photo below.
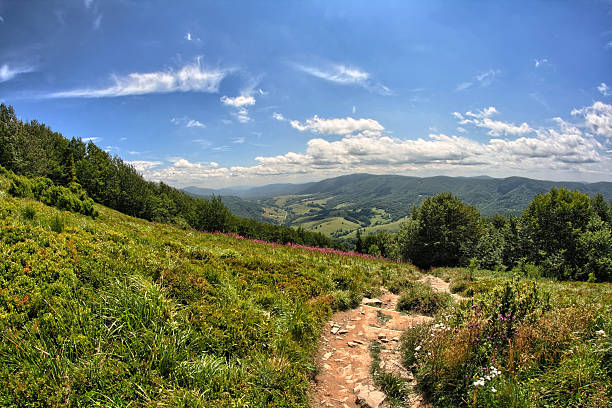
(344, 359)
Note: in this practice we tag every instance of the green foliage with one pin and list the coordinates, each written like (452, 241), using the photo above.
(516, 345)
(443, 231)
(422, 299)
(55, 168)
(116, 311)
(567, 237)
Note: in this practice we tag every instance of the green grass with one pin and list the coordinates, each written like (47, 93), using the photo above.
(549, 340)
(117, 311)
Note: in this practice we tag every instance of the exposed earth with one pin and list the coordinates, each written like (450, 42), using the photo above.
(344, 359)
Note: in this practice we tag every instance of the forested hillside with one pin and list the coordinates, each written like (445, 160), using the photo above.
(34, 150)
(341, 205)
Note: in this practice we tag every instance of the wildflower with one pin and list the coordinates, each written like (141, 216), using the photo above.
(493, 390)
(417, 348)
(601, 333)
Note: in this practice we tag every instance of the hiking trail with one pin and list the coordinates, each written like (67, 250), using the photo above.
(344, 379)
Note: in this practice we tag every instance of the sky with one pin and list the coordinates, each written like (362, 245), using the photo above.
(235, 93)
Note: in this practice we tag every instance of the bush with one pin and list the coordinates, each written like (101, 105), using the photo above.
(422, 299)
(28, 212)
(443, 231)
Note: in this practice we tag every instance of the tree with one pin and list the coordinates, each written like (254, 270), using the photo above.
(443, 231)
(552, 227)
(359, 243)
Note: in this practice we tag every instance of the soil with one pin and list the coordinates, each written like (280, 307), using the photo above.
(344, 360)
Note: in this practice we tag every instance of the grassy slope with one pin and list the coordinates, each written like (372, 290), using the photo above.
(118, 311)
(559, 355)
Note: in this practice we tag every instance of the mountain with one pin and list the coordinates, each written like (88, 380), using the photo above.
(339, 206)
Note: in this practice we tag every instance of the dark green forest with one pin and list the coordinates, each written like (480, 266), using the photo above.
(33, 150)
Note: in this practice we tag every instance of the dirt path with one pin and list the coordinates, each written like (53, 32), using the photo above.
(344, 380)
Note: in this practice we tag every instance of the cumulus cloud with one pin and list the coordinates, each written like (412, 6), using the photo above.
(186, 122)
(238, 101)
(604, 89)
(598, 118)
(144, 166)
(188, 36)
(190, 78)
(339, 126)
(278, 116)
(7, 73)
(345, 75)
(363, 147)
(496, 127)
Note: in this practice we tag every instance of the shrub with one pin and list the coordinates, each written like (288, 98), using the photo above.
(57, 224)
(422, 299)
(28, 212)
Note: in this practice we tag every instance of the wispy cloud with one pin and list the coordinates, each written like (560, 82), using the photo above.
(346, 75)
(7, 73)
(91, 139)
(188, 36)
(190, 78)
(1, 19)
(88, 3)
(97, 22)
(540, 62)
(278, 116)
(186, 122)
(604, 89)
(482, 79)
(496, 127)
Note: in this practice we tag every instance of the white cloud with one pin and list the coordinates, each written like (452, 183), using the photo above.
(278, 116)
(190, 78)
(238, 101)
(7, 73)
(242, 115)
(541, 62)
(339, 126)
(604, 89)
(496, 128)
(345, 75)
(186, 122)
(91, 139)
(97, 22)
(1, 19)
(597, 118)
(144, 166)
(608, 45)
(188, 36)
(354, 109)
(564, 148)
(88, 3)
(238, 140)
(262, 92)
(482, 79)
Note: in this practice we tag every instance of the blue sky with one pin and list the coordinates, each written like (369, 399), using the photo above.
(222, 93)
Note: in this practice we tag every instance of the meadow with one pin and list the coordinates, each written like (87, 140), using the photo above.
(119, 311)
(517, 341)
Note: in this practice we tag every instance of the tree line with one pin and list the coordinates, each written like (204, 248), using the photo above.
(33, 150)
(562, 234)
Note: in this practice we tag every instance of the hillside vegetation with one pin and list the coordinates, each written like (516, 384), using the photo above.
(118, 311)
(341, 205)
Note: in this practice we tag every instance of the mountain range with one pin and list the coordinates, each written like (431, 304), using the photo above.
(339, 206)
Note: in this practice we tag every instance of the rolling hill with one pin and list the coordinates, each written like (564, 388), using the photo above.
(341, 205)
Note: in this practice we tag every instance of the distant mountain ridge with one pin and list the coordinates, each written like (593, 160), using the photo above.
(342, 204)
